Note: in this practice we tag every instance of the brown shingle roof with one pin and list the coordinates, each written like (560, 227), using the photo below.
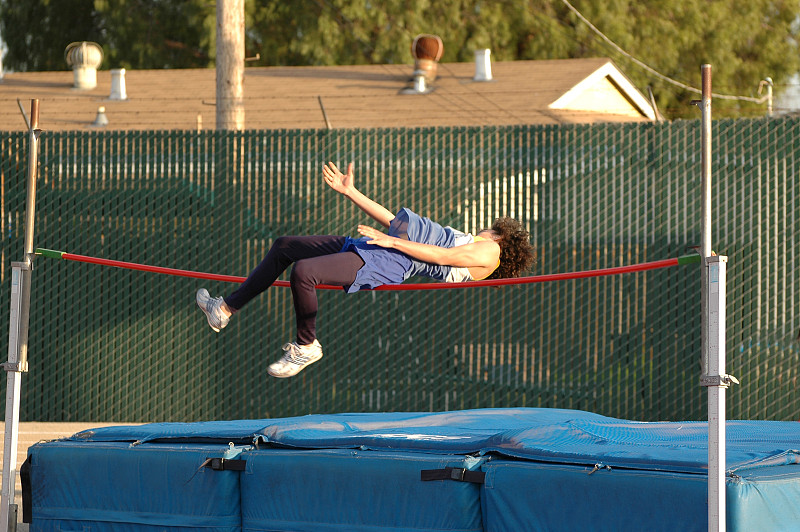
(363, 96)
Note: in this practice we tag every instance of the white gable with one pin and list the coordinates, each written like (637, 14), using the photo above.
(605, 90)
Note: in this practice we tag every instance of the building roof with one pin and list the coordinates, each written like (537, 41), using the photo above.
(363, 96)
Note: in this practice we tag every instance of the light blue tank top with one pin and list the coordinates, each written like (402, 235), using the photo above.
(389, 266)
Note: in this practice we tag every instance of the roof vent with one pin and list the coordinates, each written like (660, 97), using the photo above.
(427, 50)
(419, 82)
(483, 65)
(118, 84)
(84, 58)
(101, 120)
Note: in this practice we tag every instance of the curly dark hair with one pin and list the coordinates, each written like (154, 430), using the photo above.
(517, 255)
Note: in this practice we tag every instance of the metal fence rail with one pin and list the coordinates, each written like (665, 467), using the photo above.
(116, 345)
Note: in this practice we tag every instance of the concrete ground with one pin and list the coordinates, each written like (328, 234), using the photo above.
(34, 432)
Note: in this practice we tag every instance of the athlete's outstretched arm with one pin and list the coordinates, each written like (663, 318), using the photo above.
(484, 254)
(343, 184)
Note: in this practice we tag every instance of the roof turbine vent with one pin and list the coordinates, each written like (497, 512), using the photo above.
(427, 50)
(84, 58)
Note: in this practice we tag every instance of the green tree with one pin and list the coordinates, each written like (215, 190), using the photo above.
(37, 32)
(334, 32)
(133, 33)
(156, 33)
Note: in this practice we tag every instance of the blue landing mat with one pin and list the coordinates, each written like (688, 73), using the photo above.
(532, 469)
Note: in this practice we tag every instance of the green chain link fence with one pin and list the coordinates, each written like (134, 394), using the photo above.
(108, 344)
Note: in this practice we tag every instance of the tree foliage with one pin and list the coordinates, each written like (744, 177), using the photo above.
(744, 41)
(156, 33)
(36, 32)
(133, 33)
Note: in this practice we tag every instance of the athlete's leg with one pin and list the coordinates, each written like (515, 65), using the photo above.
(338, 269)
(284, 251)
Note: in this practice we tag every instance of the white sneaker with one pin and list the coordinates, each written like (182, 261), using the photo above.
(211, 307)
(295, 358)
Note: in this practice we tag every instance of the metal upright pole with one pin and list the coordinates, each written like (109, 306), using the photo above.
(713, 277)
(18, 334)
(705, 224)
(717, 382)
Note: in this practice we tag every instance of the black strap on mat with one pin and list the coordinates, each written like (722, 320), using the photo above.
(453, 473)
(224, 464)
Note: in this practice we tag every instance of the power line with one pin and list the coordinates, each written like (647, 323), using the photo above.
(654, 71)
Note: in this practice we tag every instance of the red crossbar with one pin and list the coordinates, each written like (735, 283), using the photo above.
(666, 263)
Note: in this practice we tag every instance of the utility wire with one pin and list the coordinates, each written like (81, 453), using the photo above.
(654, 71)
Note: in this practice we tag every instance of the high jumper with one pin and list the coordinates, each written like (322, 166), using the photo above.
(414, 245)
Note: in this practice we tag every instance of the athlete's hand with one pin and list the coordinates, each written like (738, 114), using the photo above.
(341, 183)
(379, 238)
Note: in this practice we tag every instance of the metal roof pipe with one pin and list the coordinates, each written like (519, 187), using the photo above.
(118, 91)
(483, 65)
(419, 82)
